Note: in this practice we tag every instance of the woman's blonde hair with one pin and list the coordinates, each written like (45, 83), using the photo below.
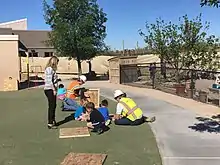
(53, 62)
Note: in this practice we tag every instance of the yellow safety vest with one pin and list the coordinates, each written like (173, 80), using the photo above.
(130, 110)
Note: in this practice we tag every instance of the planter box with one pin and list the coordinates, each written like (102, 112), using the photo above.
(203, 97)
(180, 89)
(189, 93)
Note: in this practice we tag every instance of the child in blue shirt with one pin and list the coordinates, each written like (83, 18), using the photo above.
(103, 109)
(80, 111)
(61, 92)
(67, 103)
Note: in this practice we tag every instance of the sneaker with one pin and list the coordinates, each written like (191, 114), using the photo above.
(108, 122)
(54, 123)
(150, 119)
(51, 126)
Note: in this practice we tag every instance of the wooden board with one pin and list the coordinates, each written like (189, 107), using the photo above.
(74, 132)
(84, 159)
(94, 95)
(128, 61)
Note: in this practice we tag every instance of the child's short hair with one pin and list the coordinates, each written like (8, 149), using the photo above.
(90, 105)
(104, 103)
(83, 100)
(61, 86)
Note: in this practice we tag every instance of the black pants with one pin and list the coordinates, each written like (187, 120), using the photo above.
(126, 121)
(51, 105)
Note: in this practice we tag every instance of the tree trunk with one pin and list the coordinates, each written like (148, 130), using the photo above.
(79, 66)
(161, 65)
(90, 66)
(177, 74)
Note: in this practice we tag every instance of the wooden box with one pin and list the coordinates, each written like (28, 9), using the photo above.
(94, 95)
(84, 159)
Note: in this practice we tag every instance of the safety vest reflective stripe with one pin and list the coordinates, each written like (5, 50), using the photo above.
(130, 110)
(75, 87)
(70, 92)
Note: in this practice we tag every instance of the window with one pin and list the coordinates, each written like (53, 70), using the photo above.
(34, 54)
(48, 54)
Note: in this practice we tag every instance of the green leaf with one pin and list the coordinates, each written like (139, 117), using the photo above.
(78, 28)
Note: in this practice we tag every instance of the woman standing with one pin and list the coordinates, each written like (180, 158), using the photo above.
(50, 89)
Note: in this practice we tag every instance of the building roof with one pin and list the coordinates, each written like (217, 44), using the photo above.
(33, 38)
(5, 31)
(20, 24)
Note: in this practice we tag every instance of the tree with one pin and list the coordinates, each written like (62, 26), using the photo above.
(156, 39)
(78, 28)
(199, 48)
(183, 45)
(212, 3)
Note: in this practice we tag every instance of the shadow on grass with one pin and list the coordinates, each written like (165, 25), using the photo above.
(66, 120)
(207, 125)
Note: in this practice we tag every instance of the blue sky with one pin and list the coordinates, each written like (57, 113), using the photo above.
(125, 17)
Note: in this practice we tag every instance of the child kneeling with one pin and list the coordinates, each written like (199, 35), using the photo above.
(81, 110)
(95, 120)
(103, 109)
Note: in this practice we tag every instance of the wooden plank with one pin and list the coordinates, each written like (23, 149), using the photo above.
(128, 61)
(84, 159)
(94, 95)
(74, 132)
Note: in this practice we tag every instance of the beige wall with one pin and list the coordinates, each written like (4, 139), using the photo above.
(9, 63)
(100, 64)
(37, 64)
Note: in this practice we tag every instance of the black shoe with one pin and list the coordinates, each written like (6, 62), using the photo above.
(100, 131)
(150, 119)
(51, 126)
(63, 109)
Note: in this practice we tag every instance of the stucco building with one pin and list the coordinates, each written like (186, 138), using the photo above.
(32, 44)
(34, 40)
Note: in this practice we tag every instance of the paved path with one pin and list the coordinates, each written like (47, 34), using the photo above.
(178, 144)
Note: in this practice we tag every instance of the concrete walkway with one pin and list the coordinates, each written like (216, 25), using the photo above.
(178, 144)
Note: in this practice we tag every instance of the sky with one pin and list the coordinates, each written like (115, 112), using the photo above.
(125, 17)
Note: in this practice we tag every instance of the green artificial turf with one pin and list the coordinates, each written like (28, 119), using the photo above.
(25, 139)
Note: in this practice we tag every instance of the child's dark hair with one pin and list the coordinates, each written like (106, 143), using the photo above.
(90, 105)
(104, 103)
(61, 86)
(83, 99)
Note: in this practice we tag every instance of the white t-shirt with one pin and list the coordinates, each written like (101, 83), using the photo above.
(119, 109)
